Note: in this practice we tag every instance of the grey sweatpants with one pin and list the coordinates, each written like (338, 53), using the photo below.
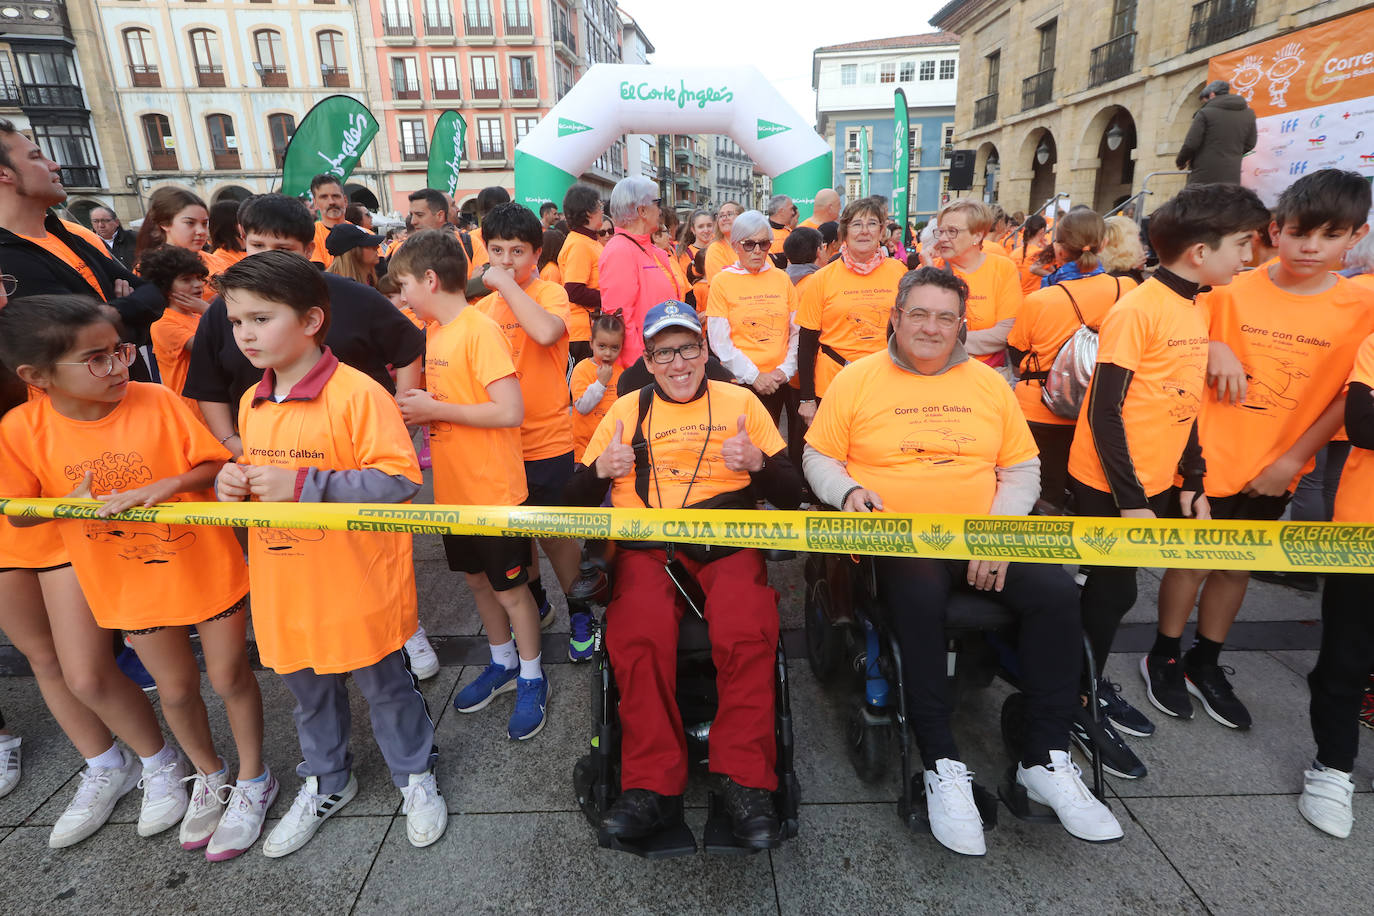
(400, 721)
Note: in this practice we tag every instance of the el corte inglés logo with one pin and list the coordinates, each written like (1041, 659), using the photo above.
(567, 126)
(768, 128)
(644, 92)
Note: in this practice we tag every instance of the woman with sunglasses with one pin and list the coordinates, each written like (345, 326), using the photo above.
(635, 273)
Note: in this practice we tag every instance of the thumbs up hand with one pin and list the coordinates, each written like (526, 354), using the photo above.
(618, 459)
(739, 452)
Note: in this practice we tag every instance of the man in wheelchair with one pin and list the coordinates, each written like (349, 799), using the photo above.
(976, 457)
(686, 442)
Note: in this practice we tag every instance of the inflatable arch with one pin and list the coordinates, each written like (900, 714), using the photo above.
(615, 99)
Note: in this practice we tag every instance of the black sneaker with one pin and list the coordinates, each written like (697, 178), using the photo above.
(1164, 686)
(639, 813)
(753, 817)
(1208, 683)
(1124, 716)
(1117, 758)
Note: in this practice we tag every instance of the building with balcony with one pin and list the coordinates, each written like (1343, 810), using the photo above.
(635, 48)
(854, 86)
(732, 171)
(1094, 105)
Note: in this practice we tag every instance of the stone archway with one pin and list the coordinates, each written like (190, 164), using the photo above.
(1040, 153)
(988, 165)
(361, 194)
(231, 192)
(1112, 137)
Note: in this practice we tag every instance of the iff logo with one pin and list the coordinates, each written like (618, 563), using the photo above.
(768, 128)
(1288, 126)
(567, 127)
(1297, 168)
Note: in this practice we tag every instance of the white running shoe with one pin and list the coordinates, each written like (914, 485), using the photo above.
(245, 809)
(204, 809)
(1060, 786)
(1326, 800)
(94, 801)
(9, 763)
(308, 812)
(954, 818)
(424, 808)
(423, 660)
(164, 797)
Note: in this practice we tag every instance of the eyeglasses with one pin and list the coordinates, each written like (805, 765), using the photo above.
(665, 355)
(10, 283)
(947, 233)
(102, 364)
(946, 321)
(760, 244)
(870, 224)
(605, 232)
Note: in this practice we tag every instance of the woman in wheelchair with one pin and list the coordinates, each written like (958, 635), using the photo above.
(921, 427)
(686, 442)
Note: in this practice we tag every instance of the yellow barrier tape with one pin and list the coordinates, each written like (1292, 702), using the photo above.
(1309, 546)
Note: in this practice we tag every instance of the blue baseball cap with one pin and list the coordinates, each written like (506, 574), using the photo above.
(670, 314)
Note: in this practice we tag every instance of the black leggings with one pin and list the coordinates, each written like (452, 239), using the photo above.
(916, 591)
(1343, 665)
(1053, 440)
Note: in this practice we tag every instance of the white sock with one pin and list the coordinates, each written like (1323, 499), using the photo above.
(505, 655)
(531, 669)
(112, 759)
(160, 759)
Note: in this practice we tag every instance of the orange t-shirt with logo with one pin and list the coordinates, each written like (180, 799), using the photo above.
(584, 424)
(1297, 352)
(924, 443)
(685, 463)
(546, 431)
(1162, 338)
(759, 309)
(994, 292)
(1355, 498)
(850, 310)
(333, 601)
(1046, 322)
(578, 263)
(55, 246)
(172, 335)
(135, 574)
(473, 465)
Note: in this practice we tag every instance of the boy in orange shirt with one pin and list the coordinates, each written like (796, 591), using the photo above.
(180, 275)
(327, 605)
(474, 409)
(1291, 330)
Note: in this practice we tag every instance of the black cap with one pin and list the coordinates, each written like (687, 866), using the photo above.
(346, 237)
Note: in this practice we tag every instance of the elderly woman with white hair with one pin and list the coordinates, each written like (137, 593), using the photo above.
(635, 274)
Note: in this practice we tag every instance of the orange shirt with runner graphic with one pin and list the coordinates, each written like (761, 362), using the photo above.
(472, 465)
(584, 425)
(1162, 338)
(55, 246)
(547, 430)
(759, 309)
(172, 335)
(1297, 352)
(333, 601)
(1046, 322)
(135, 575)
(685, 463)
(578, 263)
(850, 310)
(1355, 498)
(924, 443)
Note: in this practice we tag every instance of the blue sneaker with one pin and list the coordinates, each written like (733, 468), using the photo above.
(545, 615)
(580, 642)
(531, 697)
(492, 682)
(128, 662)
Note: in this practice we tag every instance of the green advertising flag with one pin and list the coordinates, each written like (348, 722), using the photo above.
(901, 160)
(330, 140)
(863, 162)
(447, 147)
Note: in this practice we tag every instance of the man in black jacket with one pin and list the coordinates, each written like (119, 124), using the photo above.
(120, 241)
(1223, 131)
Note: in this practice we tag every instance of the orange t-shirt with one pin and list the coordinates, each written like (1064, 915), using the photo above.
(31, 548)
(851, 312)
(1355, 498)
(172, 335)
(320, 253)
(55, 246)
(221, 259)
(924, 443)
(809, 223)
(333, 601)
(992, 246)
(759, 309)
(719, 255)
(583, 425)
(578, 263)
(135, 574)
(1162, 338)
(1366, 280)
(473, 465)
(994, 293)
(1046, 322)
(546, 431)
(550, 273)
(780, 235)
(1297, 352)
(1024, 259)
(685, 464)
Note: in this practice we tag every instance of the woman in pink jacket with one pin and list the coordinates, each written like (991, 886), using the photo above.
(635, 274)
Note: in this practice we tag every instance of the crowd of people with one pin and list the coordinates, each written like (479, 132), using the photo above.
(604, 353)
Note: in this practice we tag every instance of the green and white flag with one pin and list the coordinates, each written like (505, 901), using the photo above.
(863, 162)
(901, 159)
(447, 147)
(330, 140)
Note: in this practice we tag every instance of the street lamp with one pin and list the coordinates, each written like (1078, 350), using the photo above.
(1114, 137)
(1042, 152)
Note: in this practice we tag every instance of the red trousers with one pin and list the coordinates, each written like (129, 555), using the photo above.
(641, 636)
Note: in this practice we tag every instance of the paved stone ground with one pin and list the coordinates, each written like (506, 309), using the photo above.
(1213, 828)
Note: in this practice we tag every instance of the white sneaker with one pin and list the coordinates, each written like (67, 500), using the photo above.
(94, 801)
(204, 809)
(1060, 786)
(424, 808)
(1326, 800)
(954, 818)
(308, 811)
(9, 763)
(164, 797)
(245, 809)
(423, 660)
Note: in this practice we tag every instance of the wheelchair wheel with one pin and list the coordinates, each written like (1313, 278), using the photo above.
(824, 642)
(1014, 725)
(868, 741)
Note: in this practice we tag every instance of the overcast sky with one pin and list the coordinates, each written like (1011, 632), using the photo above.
(776, 37)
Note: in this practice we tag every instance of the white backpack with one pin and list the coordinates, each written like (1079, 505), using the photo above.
(1065, 385)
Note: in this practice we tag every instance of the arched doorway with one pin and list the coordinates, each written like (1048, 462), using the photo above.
(80, 210)
(991, 168)
(1043, 153)
(1116, 142)
(231, 192)
(360, 194)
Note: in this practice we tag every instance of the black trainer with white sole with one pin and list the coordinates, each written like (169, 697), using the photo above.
(1209, 684)
(1117, 757)
(1122, 714)
(1164, 686)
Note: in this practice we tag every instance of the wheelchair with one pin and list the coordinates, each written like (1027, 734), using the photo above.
(847, 639)
(596, 775)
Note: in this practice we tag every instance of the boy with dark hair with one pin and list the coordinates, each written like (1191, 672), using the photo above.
(1138, 428)
(328, 605)
(180, 275)
(803, 250)
(1284, 339)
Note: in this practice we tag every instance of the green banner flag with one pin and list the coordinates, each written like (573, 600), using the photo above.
(330, 140)
(901, 160)
(863, 162)
(447, 147)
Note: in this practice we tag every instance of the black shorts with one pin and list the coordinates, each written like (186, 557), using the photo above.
(546, 478)
(41, 569)
(1090, 501)
(238, 606)
(502, 559)
(1242, 507)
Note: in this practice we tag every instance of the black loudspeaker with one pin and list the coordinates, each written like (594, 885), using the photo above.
(961, 169)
